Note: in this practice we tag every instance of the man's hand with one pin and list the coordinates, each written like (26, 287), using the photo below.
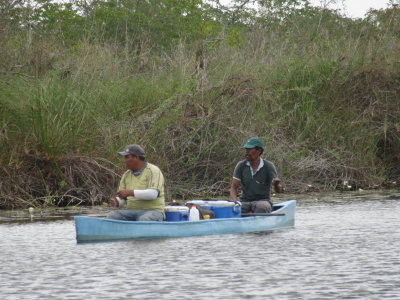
(125, 193)
(277, 185)
(114, 202)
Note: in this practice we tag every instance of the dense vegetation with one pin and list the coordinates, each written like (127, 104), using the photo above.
(191, 80)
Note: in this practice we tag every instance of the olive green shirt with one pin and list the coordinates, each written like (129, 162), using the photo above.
(255, 186)
(150, 178)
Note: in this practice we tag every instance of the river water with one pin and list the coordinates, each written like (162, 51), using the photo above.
(344, 246)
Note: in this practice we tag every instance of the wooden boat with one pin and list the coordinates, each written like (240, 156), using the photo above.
(91, 229)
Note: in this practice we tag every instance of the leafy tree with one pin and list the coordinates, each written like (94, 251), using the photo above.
(162, 22)
(388, 20)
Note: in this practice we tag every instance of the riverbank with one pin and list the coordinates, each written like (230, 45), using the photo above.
(324, 97)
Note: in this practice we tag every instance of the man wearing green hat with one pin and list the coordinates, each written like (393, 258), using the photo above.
(255, 176)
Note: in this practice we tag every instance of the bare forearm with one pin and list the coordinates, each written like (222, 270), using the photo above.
(233, 193)
(234, 189)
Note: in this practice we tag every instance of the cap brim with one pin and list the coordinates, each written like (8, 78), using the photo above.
(246, 146)
(122, 153)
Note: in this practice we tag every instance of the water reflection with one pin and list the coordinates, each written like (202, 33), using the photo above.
(344, 248)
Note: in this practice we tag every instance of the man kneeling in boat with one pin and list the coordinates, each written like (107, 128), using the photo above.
(255, 176)
(142, 186)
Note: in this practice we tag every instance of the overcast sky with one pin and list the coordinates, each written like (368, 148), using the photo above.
(351, 8)
(354, 8)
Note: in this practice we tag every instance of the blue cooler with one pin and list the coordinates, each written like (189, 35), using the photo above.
(221, 208)
(176, 213)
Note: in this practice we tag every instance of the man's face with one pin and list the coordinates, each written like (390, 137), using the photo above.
(131, 161)
(252, 154)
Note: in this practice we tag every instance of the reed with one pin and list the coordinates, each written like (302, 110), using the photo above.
(325, 101)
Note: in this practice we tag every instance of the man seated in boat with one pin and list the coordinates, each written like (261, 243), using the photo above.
(255, 176)
(142, 186)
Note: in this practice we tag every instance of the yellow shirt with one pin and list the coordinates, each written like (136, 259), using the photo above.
(150, 178)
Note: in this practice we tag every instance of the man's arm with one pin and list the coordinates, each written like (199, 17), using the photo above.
(125, 193)
(234, 189)
(148, 194)
(154, 184)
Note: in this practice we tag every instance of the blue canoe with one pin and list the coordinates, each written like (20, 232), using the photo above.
(90, 229)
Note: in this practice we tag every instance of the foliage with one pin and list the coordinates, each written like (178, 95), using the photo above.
(388, 20)
(191, 81)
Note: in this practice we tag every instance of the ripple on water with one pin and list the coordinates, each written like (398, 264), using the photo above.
(337, 251)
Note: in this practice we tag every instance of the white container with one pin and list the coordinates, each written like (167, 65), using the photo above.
(194, 214)
(121, 202)
(198, 202)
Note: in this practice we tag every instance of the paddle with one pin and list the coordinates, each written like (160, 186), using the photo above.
(263, 215)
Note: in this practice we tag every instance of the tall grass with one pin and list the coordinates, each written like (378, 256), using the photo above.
(325, 101)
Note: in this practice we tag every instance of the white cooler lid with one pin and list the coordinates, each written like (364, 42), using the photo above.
(176, 208)
(212, 202)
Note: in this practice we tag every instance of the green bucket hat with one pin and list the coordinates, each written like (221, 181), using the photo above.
(253, 142)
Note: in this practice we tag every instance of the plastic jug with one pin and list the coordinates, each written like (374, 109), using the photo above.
(121, 202)
(194, 214)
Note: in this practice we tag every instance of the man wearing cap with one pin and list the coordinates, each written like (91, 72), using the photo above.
(142, 186)
(256, 177)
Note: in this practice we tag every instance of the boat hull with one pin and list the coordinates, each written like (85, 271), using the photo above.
(89, 229)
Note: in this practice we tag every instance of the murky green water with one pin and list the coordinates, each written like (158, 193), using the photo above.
(344, 246)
